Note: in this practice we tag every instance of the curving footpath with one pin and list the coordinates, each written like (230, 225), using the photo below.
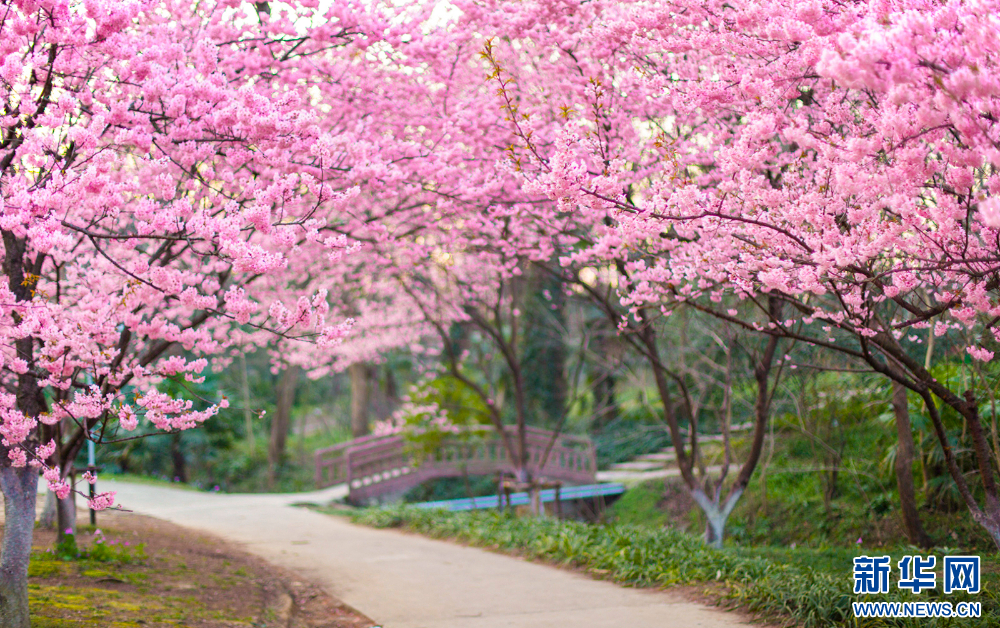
(407, 581)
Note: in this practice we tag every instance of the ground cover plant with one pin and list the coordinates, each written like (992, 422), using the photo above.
(780, 590)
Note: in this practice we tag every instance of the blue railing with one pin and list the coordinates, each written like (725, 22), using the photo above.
(520, 499)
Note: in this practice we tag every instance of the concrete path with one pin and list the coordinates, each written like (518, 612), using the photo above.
(407, 581)
(631, 477)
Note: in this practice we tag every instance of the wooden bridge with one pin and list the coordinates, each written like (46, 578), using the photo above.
(376, 466)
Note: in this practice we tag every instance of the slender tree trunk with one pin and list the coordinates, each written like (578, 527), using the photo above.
(904, 469)
(177, 457)
(360, 398)
(985, 460)
(66, 515)
(605, 402)
(47, 519)
(542, 348)
(280, 422)
(988, 519)
(391, 390)
(20, 489)
(925, 384)
(384, 396)
(718, 515)
(247, 418)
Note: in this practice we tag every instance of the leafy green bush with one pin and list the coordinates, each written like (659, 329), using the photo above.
(66, 548)
(100, 550)
(645, 557)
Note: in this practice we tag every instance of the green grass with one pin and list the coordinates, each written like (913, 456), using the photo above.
(132, 478)
(105, 582)
(639, 506)
(812, 588)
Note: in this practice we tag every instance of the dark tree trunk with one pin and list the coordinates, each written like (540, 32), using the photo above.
(391, 389)
(542, 348)
(360, 398)
(19, 485)
(606, 404)
(925, 384)
(904, 469)
(604, 401)
(20, 489)
(47, 519)
(383, 392)
(177, 457)
(280, 422)
(66, 515)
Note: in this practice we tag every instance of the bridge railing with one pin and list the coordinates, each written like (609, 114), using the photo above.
(377, 465)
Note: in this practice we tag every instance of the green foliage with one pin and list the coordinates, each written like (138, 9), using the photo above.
(811, 596)
(829, 478)
(113, 552)
(100, 550)
(219, 452)
(638, 506)
(452, 488)
(66, 548)
(544, 348)
(628, 437)
(439, 405)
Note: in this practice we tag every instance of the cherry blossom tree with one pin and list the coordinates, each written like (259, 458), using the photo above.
(840, 160)
(167, 170)
(440, 231)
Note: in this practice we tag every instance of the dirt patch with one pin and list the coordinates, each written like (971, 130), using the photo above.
(677, 502)
(165, 575)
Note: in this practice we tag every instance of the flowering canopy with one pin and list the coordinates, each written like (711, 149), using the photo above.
(840, 158)
(167, 174)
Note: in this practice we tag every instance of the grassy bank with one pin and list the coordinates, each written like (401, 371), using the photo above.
(805, 587)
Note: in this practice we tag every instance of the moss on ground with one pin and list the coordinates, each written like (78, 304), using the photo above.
(139, 572)
(134, 590)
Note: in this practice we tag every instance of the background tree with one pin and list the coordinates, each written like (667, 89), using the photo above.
(846, 168)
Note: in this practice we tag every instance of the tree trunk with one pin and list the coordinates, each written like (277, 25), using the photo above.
(281, 422)
(605, 404)
(926, 385)
(247, 415)
(610, 349)
(47, 520)
(542, 347)
(360, 398)
(391, 390)
(177, 456)
(20, 489)
(66, 515)
(904, 469)
(19, 485)
(716, 516)
(715, 530)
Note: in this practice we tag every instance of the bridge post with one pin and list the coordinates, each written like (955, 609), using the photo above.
(318, 475)
(347, 468)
